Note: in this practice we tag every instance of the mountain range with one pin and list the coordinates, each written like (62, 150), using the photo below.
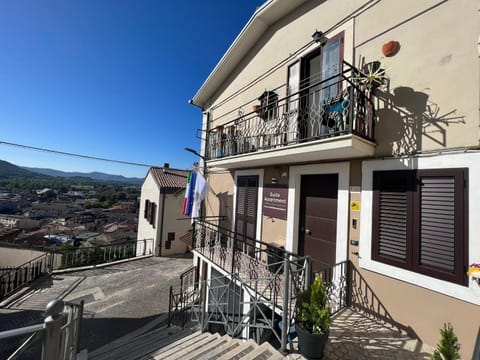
(8, 170)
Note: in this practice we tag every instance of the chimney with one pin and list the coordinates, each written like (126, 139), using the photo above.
(166, 165)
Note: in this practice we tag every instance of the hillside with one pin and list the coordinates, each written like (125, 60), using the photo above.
(8, 170)
(92, 175)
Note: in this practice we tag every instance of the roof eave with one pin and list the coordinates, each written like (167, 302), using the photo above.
(270, 12)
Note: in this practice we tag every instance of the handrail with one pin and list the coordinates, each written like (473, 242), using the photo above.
(31, 339)
(250, 239)
(25, 273)
(59, 332)
(21, 331)
(93, 255)
(32, 260)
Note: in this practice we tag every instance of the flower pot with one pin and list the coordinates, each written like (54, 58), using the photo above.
(310, 345)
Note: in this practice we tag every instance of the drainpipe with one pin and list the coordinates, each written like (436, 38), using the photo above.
(161, 223)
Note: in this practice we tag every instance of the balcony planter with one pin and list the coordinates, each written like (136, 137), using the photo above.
(313, 317)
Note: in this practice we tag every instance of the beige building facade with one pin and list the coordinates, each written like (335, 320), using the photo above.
(160, 212)
(358, 143)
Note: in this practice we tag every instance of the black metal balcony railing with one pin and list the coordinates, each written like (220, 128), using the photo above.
(335, 106)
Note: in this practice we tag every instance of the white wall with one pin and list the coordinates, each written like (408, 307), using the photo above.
(151, 192)
(459, 160)
(172, 223)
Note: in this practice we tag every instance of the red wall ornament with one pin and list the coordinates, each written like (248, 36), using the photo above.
(390, 48)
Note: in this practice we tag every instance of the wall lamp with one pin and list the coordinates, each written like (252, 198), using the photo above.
(194, 152)
(192, 103)
(319, 37)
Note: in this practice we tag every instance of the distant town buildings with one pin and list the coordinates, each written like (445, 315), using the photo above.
(27, 219)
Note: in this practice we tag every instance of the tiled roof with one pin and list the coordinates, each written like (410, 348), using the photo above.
(170, 180)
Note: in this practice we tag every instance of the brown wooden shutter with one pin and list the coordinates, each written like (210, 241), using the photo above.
(153, 213)
(437, 222)
(440, 250)
(246, 208)
(146, 210)
(420, 221)
(392, 220)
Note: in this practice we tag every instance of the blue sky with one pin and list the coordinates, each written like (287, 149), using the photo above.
(109, 79)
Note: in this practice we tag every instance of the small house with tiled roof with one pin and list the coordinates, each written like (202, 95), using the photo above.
(160, 212)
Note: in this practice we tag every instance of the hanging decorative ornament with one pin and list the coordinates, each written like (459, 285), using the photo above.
(372, 75)
(390, 48)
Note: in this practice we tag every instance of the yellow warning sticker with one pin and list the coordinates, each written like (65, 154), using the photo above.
(355, 205)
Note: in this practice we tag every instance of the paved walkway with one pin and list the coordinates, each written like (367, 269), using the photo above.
(124, 297)
(353, 335)
(117, 299)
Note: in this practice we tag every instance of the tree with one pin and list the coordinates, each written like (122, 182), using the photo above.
(448, 348)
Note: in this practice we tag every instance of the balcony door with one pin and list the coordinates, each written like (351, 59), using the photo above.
(246, 212)
(312, 81)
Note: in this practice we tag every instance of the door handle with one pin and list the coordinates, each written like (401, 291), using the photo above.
(308, 232)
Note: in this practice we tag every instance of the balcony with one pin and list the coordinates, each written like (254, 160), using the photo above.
(328, 119)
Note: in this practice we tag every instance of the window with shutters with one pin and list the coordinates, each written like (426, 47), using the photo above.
(246, 210)
(420, 221)
(150, 212)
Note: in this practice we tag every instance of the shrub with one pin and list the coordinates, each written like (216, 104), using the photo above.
(313, 314)
(448, 348)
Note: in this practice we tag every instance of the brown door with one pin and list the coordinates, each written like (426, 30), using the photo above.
(318, 219)
(246, 212)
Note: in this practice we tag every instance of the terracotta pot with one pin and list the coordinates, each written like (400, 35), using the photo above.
(390, 48)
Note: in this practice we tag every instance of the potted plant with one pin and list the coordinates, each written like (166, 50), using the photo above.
(313, 319)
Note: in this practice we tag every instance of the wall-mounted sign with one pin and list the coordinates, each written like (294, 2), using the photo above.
(355, 205)
(275, 201)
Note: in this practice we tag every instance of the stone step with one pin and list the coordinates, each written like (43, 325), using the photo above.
(171, 343)
(178, 352)
(265, 352)
(243, 351)
(209, 349)
(152, 326)
(182, 338)
(221, 350)
(145, 345)
(141, 345)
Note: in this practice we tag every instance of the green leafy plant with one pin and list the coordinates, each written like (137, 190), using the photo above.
(448, 348)
(313, 313)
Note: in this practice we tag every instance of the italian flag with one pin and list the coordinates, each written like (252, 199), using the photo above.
(189, 194)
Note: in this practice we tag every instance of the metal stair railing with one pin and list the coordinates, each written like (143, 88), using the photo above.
(60, 332)
(18, 276)
(231, 305)
(239, 254)
(94, 255)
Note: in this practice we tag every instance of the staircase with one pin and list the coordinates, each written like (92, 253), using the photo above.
(171, 343)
